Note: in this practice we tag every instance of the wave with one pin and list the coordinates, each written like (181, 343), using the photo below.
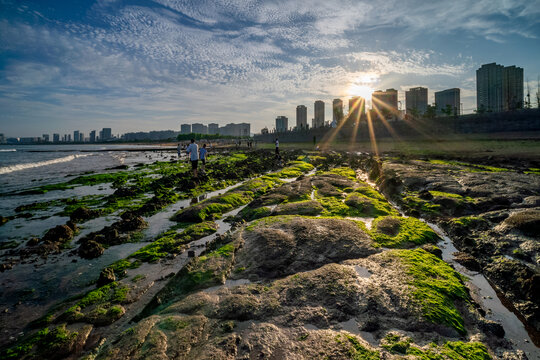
(6, 150)
(18, 167)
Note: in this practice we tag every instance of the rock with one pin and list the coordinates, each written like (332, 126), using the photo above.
(60, 234)
(425, 195)
(528, 222)
(432, 249)
(106, 277)
(90, 250)
(33, 241)
(132, 223)
(72, 226)
(125, 192)
(83, 213)
(310, 208)
(491, 327)
(3, 220)
(389, 226)
(468, 261)
(5, 266)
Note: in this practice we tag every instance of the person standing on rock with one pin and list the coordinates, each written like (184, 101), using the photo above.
(202, 157)
(193, 152)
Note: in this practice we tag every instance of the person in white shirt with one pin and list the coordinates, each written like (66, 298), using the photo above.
(193, 152)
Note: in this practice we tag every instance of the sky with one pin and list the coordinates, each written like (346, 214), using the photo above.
(139, 65)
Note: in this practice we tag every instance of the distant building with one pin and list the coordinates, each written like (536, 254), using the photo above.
(76, 136)
(386, 103)
(242, 129)
(447, 102)
(105, 134)
(81, 137)
(499, 88)
(152, 135)
(29, 140)
(12, 140)
(337, 111)
(301, 117)
(69, 138)
(45, 137)
(92, 136)
(357, 109)
(185, 129)
(199, 128)
(213, 128)
(264, 130)
(319, 114)
(56, 138)
(282, 124)
(2, 139)
(416, 100)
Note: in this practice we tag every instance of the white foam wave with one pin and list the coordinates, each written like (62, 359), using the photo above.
(18, 167)
(7, 150)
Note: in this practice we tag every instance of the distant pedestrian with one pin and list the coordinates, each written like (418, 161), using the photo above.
(193, 151)
(202, 157)
(277, 147)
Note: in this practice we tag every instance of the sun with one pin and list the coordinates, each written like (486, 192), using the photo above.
(362, 90)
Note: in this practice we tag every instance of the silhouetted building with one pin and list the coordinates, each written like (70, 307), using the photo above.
(447, 102)
(2, 139)
(337, 111)
(199, 128)
(45, 137)
(416, 100)
(185, 129)
(76, 136)
(301, 117)
(264, 130)
(152, 135)
(213, 128)
(319, 114)
(499, 88)
(29, 140)
(93, 136)
(242, 129)
(56, 138)
(69, 138)
(282, 124)
(512, 88)
(357, 109)
(105, 134)
(386, 103)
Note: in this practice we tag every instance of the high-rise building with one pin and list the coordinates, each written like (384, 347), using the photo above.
(416, 100)
(2, 139)
(199, 128)
(282, 124)
(45, 137)
(337, 111)
(499, 88)
(301, 117)
(81, 137)
(213, 128)
(76, 136)
(386, 102)
(447, 102)
(319, 114)
(357, 109)
(93, 136)
(512, 88)
(56, 138)
(185, 129)
(105, 134)
(69, 138)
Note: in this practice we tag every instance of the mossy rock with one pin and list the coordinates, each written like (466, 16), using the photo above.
(528, 222)
(308, 207)
(401, 232)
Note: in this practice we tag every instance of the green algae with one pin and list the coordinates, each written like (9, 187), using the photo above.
(356, 350)
(341, 171)
(467, 221)
(435, 286)
(172, 242)
(412, 201)
(110, 293)
(295, 169)
(250, 214)
(535, 171)
(451, 195)
(45, 341)
(409, 230)
(453, 350)
(469, 167)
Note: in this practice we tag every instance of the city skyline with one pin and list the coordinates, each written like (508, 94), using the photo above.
(146, 65)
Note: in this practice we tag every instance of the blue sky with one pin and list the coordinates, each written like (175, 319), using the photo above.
(140, 65)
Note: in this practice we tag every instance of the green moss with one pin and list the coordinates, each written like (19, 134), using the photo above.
(172, 324)
(113, 292)
(224, 251)
(467, 221)
(138, 278)
(394, 344)
(45, 341)
(370, 192)
(535, 171)
(356, 350)
(451, 195)
(412, 201)
(458, 350)
(250, 214)
(120, 266)
(236, 199)
(342, 171)
(451, 350)
(469, 167)
(435, 286)
(295, 169)
(410, 231)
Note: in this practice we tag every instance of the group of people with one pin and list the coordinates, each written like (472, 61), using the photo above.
(195, 155)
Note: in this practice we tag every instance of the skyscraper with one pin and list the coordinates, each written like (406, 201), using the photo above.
(93, 136)
(337, 111)
(448, 99)
(185, 129)
(282, 124)
(416, 100)
(319, 114)
(106, 134)
(56, 138)
(213, 128)
(199, 128)
(499, 88)
(76, 136)
(45, 137)
(357, 109)
(385, 102)
(301, 117)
